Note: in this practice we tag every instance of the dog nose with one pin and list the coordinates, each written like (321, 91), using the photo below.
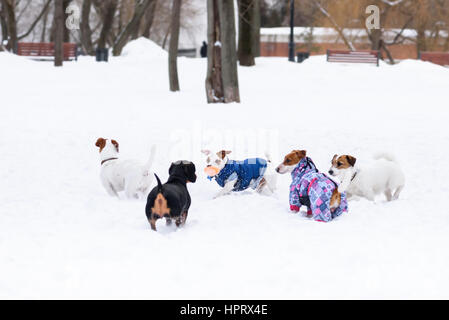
(277, 169)
(331, 172)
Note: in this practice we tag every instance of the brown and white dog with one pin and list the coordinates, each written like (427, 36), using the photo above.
(291, 161)
(130, 176)
(383, 175)
(217, 161)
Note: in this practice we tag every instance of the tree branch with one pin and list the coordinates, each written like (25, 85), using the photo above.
(35, 21)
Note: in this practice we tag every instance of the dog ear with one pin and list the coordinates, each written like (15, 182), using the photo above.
(351, 160)
(115, 143)
(300, 153)
(222, 154)
(170, 170)
(206, 152)
(100, 143)
(334, 158)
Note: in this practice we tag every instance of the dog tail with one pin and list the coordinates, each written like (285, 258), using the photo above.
(159, 184)
(384, 155)
(150, 161)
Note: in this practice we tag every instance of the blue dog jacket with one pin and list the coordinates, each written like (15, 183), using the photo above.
(313, 189)
(248, 173)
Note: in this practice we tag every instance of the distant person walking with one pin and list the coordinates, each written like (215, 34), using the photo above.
(203, 50)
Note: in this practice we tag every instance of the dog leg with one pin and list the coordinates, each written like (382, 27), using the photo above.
(262, 185)
(226, 189)
(397, 192)
(110, 189)
(180, 221)
(153, 224)
(388, 195)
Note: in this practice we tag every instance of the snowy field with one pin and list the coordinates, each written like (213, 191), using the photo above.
(62, 236)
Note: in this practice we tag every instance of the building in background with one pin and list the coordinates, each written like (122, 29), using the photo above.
(274, 41)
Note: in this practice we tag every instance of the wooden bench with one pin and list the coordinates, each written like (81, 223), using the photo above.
(347, 56)
(45, 50)
(441, 58)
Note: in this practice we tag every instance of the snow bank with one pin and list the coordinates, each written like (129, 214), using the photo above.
(143, 49)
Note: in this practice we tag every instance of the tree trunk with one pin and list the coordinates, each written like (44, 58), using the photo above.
(9, 8)
(59, 32)
(375, 37)
(44, 26)
(229, 52)
(246, 32)
(256, 25)
(85, 31)
(421, 44)
(3, 24)
(149, 18)
(141, 8)
(110, 6)
(222, 79)
(173, 48)
(66, 34)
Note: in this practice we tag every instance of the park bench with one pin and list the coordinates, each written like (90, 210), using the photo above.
(441, 58)
(46, 50)
(347, 56)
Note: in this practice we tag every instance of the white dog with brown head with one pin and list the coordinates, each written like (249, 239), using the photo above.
(383, 175)
(130, 176)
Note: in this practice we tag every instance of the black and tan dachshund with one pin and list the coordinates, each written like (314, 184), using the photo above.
(171, 200)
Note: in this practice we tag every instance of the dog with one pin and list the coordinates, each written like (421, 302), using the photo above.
(119, 175)
(384, 175)
(171, 200)
(234, 175)
(312, 188)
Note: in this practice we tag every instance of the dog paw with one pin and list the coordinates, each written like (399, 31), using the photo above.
(294, 208)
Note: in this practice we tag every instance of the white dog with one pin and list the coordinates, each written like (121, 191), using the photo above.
(123, 175)
(383, 175)
(231, 175)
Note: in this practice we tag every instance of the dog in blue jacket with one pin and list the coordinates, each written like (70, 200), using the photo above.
(233, 175)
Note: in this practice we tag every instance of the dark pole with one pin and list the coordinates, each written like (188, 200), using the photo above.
(291, 44)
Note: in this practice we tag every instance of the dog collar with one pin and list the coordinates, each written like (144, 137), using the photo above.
(108, 160)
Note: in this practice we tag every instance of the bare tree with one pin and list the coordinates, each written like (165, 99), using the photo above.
(247, 32)
(335, 25)
(85, 30)
(39, 17)
(148, 19)
(107, 9)
(222, 79)
(141, 7)
(59, 32)
(256, 26)
(173, 48)
(9, 7)
(3, 25)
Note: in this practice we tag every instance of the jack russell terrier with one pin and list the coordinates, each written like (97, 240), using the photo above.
(234, 175)
(312, 188)
(383, 175)
(123, 175)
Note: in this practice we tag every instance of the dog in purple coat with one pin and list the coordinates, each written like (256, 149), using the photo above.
(312, 188)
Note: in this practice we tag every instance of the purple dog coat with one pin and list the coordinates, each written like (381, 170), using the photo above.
(313, 189)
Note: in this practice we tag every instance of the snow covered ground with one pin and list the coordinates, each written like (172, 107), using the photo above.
(62, 236)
